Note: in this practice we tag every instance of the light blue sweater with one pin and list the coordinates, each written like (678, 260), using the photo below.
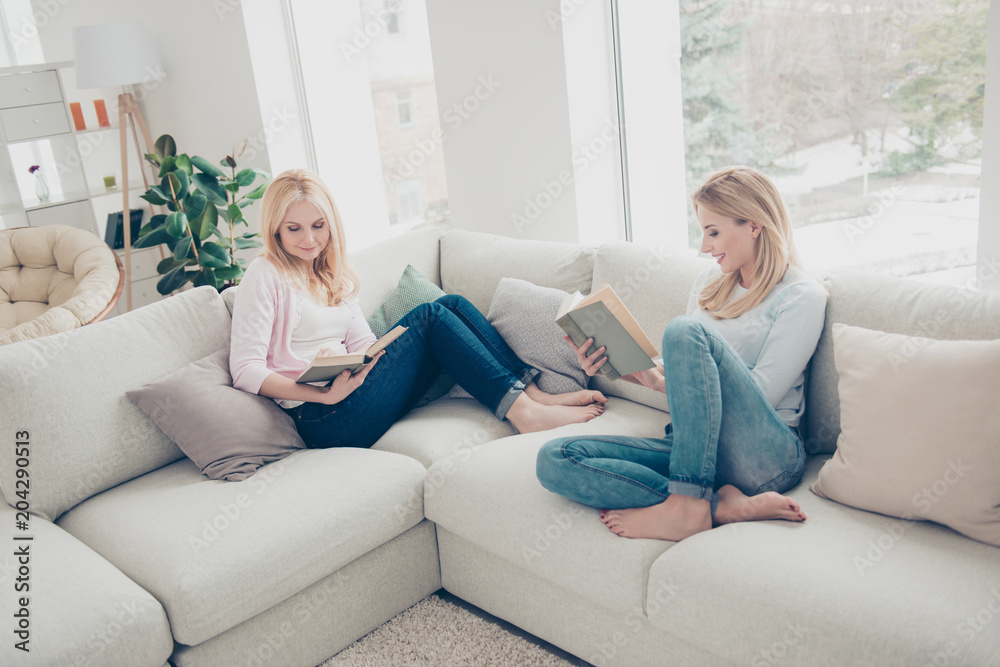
(776, 339)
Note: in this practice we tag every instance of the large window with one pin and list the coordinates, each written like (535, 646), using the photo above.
(867, 114)
(406, 113)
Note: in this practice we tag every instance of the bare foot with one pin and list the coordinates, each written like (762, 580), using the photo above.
(529, 416)
(735, 506)
(582, 397)
(674, 519)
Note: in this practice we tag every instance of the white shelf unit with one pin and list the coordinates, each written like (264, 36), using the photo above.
(36, 128)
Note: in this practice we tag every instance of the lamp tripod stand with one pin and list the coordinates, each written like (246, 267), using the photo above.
(128, 111)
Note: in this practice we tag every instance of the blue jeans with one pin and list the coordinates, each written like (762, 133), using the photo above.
(723, 431)
(449, 333)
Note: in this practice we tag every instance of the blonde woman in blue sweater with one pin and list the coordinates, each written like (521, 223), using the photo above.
(734, 371)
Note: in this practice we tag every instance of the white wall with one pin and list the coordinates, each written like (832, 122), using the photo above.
(208, 99)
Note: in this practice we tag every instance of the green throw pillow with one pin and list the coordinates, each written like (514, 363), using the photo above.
(412, 290)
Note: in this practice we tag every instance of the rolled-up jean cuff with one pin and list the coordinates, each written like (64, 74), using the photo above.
(508, 399)
(690, 489)
(530, 375)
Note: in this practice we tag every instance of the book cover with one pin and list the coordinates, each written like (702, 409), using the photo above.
(603, 317)
(327, 368)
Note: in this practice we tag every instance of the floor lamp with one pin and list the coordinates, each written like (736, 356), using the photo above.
(118, 55)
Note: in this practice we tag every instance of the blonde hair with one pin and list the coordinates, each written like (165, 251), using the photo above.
(330, 278)
(747, 195)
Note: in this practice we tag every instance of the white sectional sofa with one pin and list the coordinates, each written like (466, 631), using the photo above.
(136, 558)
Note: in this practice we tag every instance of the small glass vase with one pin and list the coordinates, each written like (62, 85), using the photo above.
(41, 187)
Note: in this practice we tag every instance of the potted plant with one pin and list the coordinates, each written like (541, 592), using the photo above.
(206, 208)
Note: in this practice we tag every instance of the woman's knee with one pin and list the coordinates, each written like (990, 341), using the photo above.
(681, 331)
(454, 301)
(552, 461)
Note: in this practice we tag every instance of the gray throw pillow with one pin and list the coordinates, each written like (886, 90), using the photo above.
(525, 315)
(412, 290)
(227, 432)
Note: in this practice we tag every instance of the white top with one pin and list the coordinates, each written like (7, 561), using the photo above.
(776, 339)
(318, 327)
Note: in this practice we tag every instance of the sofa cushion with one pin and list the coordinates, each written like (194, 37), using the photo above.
(412, 290)
(921, 430)
(551, 536)
(228, 433)
(654, 283)
(858, 587)
(216, 553)
(472, 264)
(81, 610)
(379, 266)
(524, 315)
(68, 392)
(893, 305)
(442, 428)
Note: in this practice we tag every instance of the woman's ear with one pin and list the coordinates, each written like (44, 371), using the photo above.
(755, 228)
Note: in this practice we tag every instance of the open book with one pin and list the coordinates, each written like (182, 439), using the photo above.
(603, 317)
(327, 368)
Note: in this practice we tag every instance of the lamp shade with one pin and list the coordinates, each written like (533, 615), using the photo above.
(113, 54)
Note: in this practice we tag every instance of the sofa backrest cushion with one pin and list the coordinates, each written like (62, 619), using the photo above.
(892, 305)
(380, 266)
(67, 391)
(654, 285)
(472, 264)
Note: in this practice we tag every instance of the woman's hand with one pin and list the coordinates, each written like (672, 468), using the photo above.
(652, 378)
(345, 383)
(591, 364)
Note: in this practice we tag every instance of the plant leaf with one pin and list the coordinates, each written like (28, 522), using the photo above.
(154, 238)
(242, 147)
(163, 147)
(242, 244)
(183, 162)
(209, 186)
(206, 167)
(204, 225)
(185, 183)
(157, 220)
(213, 256)
(171, 187)
(166, 166)
(258, 193)
(172, 280)
(169, 263)
(176, 224)
(230, 162)
(229, 272)
(154, 196)
(206, 277)
(224, 241)
(183, 247)
(246, 177)
(234, 212)
(194, 205)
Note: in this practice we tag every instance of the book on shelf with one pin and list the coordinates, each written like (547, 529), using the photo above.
(603, 317)
(327, 368)
(114, 232)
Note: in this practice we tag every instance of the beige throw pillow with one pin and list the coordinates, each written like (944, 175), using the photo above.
(920, 436)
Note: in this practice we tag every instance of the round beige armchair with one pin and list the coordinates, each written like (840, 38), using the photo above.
(54, 278)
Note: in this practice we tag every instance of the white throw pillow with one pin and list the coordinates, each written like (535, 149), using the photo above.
(920, 432)
(524, 314)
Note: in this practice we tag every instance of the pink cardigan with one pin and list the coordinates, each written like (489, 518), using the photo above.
(265, 313)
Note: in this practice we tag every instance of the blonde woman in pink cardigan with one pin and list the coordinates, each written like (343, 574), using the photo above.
(299, 300)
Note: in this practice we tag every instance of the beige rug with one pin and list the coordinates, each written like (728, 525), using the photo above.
(436, 632)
